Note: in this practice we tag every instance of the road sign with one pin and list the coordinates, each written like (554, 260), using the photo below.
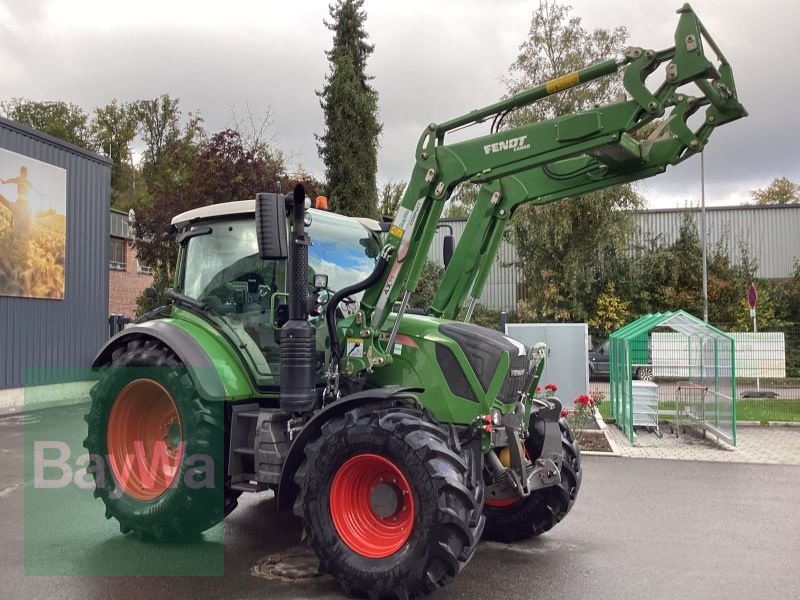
(752, 296)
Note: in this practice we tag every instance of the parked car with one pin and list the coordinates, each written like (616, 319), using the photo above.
(599, 366)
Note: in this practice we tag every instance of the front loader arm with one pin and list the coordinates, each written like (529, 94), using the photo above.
(466, 275)
(543, 162)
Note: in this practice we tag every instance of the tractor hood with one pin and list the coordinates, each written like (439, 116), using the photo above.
(467, 357)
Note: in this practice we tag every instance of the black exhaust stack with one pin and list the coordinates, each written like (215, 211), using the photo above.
(298, 336)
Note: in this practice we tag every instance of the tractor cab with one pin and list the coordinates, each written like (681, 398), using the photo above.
(246, 297)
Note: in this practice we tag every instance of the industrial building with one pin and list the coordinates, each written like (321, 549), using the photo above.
(771, 234)
(54, 231)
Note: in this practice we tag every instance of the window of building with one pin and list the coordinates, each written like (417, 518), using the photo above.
(117, 255)
(142, 268)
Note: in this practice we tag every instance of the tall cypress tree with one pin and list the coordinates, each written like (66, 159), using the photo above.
(349, 146)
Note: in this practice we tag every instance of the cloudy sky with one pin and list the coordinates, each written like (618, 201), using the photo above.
(433, 60)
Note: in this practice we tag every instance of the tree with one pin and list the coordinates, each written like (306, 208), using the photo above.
(462, 200)
(390, 198)
(159, 123)
(429, 281)
(313, 186)
(567, 254)
(349, 145)
(170, 192)
(114, 128)
(199, 171)
(65, 121)
(228, 169)
(611, 312)
(558, 44)
(780, 191)
(564, 250)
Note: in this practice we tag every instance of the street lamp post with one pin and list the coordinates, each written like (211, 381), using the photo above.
(703, 234)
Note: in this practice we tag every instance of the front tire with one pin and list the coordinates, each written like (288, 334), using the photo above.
(543, 509)
(388, 503)
(156, 446)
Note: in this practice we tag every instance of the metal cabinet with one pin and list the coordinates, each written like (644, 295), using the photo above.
(567, 348)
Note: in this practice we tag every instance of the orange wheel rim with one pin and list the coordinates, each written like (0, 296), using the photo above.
(372, 506)
(145, 439)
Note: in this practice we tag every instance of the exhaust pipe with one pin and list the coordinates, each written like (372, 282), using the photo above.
(298, 336)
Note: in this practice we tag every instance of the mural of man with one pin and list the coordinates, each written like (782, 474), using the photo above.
(20, 210)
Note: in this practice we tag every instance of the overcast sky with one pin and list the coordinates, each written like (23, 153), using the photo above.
(433, 60)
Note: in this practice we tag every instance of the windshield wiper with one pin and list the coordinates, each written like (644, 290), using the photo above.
(184, 300)
(181, 238)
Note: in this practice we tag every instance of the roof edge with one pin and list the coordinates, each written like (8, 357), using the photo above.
(54, 141)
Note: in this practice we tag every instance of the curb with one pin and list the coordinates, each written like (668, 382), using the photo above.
(17, 401)
(615, 451)
(768, 424)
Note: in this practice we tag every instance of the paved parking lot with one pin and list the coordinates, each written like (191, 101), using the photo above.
(641, 528)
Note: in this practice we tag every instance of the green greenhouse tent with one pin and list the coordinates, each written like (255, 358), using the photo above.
(694, 358)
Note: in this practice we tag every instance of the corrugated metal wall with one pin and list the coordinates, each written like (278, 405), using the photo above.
(500, 292)
(771, 234)
(55, 336)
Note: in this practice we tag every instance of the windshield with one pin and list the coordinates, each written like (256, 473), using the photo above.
(223, 270)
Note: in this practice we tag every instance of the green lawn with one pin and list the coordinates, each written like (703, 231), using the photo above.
(747, 409)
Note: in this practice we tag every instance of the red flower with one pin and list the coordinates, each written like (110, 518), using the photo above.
(538, 389)
(551, 387)
(564, 412)
(583, 400)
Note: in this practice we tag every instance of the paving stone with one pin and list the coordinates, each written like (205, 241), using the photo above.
(773, 445)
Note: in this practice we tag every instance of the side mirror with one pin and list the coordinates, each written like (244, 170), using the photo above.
(448, 246)
(271, 227)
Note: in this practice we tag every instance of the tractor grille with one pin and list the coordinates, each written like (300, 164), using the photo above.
(516, 381)
(484, 348)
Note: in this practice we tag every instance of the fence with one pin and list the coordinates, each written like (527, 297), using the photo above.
(767, 369)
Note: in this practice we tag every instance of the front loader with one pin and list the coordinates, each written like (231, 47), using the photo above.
(289, 361)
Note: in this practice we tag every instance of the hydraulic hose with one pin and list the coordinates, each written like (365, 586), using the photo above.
(330, 310)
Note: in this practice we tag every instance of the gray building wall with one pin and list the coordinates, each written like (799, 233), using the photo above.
(771, 234)
(500, 291)
(48, 338)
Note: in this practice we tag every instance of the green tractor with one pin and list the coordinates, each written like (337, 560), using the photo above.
(289, 359)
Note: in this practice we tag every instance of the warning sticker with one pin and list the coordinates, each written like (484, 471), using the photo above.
(355, 347)
(398, 349)
(396, 231)
(562, 83)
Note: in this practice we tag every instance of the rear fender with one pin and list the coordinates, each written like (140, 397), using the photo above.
(205, 375)
(384, 397)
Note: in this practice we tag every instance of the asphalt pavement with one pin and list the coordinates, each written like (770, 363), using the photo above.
(640, 528)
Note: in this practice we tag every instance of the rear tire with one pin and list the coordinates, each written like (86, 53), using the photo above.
(434, 496)
(544, 508)
(169, 502)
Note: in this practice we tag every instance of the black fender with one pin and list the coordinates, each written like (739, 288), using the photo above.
(201, 369)
(390, 395)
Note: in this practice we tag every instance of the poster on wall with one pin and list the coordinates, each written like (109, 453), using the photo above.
(33, 227)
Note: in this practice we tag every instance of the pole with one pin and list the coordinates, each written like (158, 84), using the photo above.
(755, 330)
(703, 234)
